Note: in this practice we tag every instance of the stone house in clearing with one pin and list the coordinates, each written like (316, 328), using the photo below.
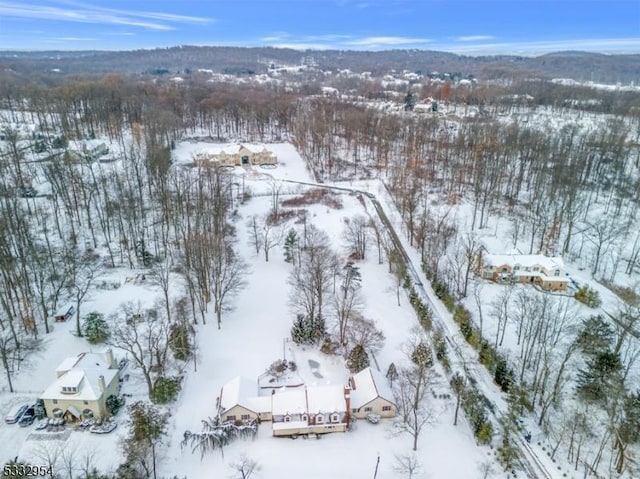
(82, 386)
(546, 272)
(236, 155)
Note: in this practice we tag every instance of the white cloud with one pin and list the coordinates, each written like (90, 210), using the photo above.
(378, 41)
(82, 13)
(474, 38)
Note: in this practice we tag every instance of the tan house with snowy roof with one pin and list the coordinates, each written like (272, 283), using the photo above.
(546, 272)
(82, 386)
(235, 155)
(239, 401)
(370, 393)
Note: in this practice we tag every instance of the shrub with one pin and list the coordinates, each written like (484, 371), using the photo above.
(485, 433)
(165, 390)
(588, 296)
(95, 328)
(114, 404)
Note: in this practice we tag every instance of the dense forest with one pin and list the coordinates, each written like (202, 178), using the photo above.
(580, 66)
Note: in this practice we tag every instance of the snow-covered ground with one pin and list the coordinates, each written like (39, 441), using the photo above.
(253, 335)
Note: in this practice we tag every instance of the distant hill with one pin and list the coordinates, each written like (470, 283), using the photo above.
(581, 66)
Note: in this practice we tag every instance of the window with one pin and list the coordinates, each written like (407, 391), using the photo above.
(245, 417)
(319, 419)
(335, 417)
(305, 417)
(354, 410)
(386, 408)
(556, 272)
(368, 409)
(527, 269)
(516, 268)
(55, 401)
(85, 402)
(287, 419)
(535, 268)
(231, 418)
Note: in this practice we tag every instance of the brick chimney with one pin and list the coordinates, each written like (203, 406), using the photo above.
(347, 399)
(101, 384)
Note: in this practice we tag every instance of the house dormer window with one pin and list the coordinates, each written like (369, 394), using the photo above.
(69, 390)
(287, 418)
(556, 272)
(516, 268)
(335, 417)
(535, 268)
(305, 417)
(319, 419)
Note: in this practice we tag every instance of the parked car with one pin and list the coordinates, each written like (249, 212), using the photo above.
(28, 417)
(15, 414)
(373, 418)
(42, 424)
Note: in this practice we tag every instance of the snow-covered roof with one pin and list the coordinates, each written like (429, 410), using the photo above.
(82, 372)
(326, 399)
(279, 426)
(238, 392)
(368, 385)
(260, 404)
(87, 382)
(92, 360)
(290, 401)
(67, 364)
(526, 260)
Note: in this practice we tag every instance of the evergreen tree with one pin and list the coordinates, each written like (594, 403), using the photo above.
(290, 243)
(300, 331)
(357, 359)
(39, 410)
(179, 341)
(504, 376)
(113, 404)
(95, 328)
(317, 329)
(422, 356)
(630, 428)
(409, 102)
(596, 335)
(392, 374)
(601, 375)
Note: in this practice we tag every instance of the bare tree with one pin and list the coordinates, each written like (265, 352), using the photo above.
(347, 300)
(271, 236)
(411, 390)
(14, 348)
(228, 273)
(255, 235)
(356, 234)
(363, 332)
(81, 273)
(407, 465)
(244, 467)
(144, 336)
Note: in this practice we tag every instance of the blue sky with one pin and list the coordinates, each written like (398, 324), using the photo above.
(474, 27)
